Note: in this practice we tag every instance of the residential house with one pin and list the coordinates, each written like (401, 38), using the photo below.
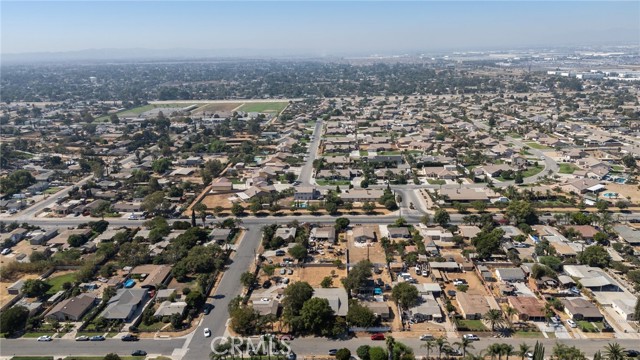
(581, 309)
(72, 309)
(398, 233)
(337, 298)
(364, 234)
(362, 195)
(306, 193)
(124, 304)
(529, 308)
(510, 274)
(474, 306)
(324, 233)
(168, 308)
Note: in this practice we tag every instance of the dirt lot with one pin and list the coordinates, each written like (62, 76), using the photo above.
(213, 200)
(4, 295)
(23, 247)
(624, 191)
(314, 275)
(358, 252)
(475, 285)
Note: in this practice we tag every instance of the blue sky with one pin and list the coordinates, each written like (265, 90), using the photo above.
(313, 27)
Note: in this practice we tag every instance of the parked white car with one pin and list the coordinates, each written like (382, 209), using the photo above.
(572, 323)
(207, 332)
(470, 337)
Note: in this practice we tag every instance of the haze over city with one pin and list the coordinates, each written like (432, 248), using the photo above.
(310, 28)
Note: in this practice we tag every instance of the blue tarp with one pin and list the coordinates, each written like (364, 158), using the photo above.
(129, 283)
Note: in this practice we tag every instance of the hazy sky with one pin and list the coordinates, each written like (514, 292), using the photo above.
(319, 27)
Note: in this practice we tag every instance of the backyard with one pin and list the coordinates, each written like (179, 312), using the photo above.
(567, 168)
(57, 282)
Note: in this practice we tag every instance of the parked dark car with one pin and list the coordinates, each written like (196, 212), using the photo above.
(207, 308)
(267, 284)
(139, 353)
(129, 337)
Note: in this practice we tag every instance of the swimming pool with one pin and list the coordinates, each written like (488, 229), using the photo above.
(610, 195)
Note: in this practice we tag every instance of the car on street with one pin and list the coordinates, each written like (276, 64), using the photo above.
(470, 337)
(572, 323)
(44, 338)
(139, 353)
(632, 353)
(129, 337)
(97, 338)
(207, 308)
(207, 332)
(333, 352)
(82, 338)
(426, 337)
(378, 336)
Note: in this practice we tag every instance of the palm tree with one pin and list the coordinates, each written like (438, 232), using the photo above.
(509, 312)
(493, 317)
(494, 350)
(441, 342)
(480, 356)
(507, 350)
(428, 345)
(613, 351)
(523, 349)
(464, 345)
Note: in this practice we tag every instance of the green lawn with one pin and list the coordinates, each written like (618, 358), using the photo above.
(266, 107)
(57, 281)
(436, 181)
(566, 168)
(617, 168)
(532, 170)
(151, 328)
(535, 145)
(514, 135)
(33, 358)
(528, 334)
(390, 153)
(333, 182)
(101, 357)
(52, 190)
(587, 326)
(36, 334)
(472, 325)
(364, 153)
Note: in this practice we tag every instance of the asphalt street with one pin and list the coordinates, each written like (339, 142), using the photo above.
(306, 173)
(229, 287)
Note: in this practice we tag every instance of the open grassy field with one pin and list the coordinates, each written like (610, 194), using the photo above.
(217, 107)
(56, 282)
(532, 170)
(535, 145)
(266, 107)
